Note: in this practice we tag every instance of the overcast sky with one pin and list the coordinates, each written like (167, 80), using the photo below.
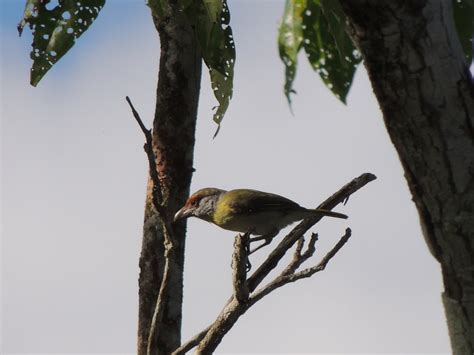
(73, 187)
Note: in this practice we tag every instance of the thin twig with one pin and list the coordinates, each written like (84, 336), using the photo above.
(233, 310)
(284, 279)
(311, 247)
(295, 261)
(157, 195)
(163, 295)
(191, 343)
(146, 131)
(324, 261)
(298, 257)
(299, 248)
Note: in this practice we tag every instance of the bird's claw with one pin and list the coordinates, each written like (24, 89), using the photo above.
(266, 240)
(248, 266)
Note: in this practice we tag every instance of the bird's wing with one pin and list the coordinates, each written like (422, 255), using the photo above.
(245, 201)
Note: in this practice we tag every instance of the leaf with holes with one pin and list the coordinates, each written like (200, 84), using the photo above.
(210, 19)
(464, 20)
(328, 47)
(290, 37)
(55, 30)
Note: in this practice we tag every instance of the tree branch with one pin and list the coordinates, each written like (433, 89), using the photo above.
(239, 267)
(299, 258)
(191, 343)
(286, 278)
(167, 232)
(240, 286)
(277, 254)
(163, 295)
(208, 340)
(148, 147)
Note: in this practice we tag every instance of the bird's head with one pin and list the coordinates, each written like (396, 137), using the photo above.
(200, 204)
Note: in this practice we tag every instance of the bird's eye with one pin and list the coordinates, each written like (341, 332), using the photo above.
(195, 203)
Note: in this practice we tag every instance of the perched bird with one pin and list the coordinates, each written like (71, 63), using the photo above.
(247, 211)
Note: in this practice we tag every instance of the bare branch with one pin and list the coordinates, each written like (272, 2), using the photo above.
(224, 322)
(191, 343)
(163, 295)
(324, 261)
(148, 147)
(275, 256)
(299, 247)
(239, 267)
(284, 279)
(208, 340)
(299, 258)
(311, 247)
(233, 310)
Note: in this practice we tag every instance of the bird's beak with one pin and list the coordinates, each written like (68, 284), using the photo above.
(182, 213)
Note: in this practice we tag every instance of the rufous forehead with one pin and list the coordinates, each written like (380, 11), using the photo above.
(198, 195)
(193, 198)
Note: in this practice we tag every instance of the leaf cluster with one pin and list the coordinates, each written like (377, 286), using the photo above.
(318, 27)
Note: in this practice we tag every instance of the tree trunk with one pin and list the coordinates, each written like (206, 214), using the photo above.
(173, 143)
(420, 77)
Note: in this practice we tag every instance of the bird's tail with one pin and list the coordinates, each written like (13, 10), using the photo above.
(330, 213)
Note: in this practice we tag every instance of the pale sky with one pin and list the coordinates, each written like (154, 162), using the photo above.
(73, 188)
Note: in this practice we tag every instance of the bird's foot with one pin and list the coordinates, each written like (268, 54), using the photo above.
(267, 238)
(265, 243)
(248, 265)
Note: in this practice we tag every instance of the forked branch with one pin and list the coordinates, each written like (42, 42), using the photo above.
(245, 292)
(285, 278)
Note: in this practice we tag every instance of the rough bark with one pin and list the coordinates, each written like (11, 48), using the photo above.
(173, 143)
(421, 80)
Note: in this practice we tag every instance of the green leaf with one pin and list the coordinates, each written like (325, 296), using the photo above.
(55, 31)
(211, 19)
(464, 19)
(328, 47)
(289, 41)
(318, 26)
(213, 8)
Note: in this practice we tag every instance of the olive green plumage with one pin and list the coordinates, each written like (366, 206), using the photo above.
(245, 210)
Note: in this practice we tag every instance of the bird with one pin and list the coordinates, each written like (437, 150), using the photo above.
(258, 213)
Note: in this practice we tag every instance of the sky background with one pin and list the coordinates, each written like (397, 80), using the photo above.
(73, 188)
